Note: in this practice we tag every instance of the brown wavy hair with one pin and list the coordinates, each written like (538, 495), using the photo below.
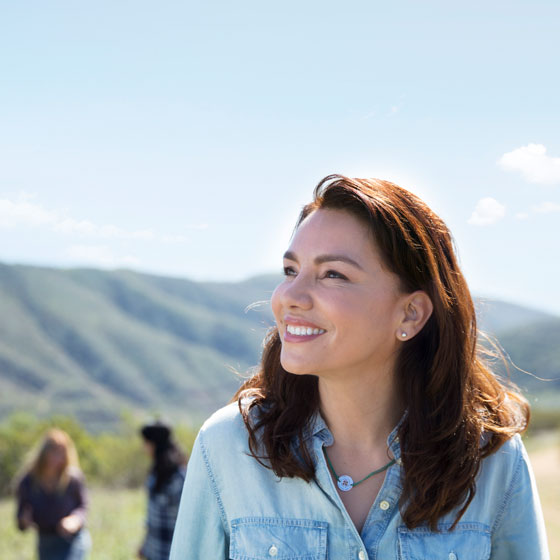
(458, 411)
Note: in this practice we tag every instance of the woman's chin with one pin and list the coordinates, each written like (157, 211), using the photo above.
(297, 368)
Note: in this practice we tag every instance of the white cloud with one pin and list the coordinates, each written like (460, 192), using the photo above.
(546, 208)
(488, 211)
(100, 255)
(533, 162)
(542, 208)
(85, 227)
(174, 238)
(23, 213)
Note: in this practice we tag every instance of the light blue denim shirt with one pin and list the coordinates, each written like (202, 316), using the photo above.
(234, 508)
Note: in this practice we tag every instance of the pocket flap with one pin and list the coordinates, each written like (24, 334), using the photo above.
(468, 541)
(272, 538)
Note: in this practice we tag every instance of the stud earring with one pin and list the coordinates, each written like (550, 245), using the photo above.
(403, 335)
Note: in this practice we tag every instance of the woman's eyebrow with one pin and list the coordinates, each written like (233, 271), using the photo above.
(289, 255)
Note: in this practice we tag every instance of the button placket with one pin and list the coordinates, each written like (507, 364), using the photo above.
(390, 489)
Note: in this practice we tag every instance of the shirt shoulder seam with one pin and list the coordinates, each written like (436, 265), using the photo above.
(213, 484)
(509, 491)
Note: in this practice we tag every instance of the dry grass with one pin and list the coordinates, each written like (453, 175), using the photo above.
(116, 523)
(546, 464)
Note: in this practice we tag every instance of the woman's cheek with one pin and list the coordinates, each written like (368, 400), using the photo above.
(275, 303)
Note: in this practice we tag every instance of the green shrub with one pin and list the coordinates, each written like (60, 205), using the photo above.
(113, 460)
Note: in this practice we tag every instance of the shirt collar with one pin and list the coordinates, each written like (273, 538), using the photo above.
(317, 427)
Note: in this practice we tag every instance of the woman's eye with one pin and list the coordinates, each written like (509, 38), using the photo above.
(289, 271)
(335, 274)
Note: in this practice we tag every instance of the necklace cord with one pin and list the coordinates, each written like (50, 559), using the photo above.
(384, 468)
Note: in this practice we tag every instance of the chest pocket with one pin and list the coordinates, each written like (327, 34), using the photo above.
(272, 538)
(468, 541)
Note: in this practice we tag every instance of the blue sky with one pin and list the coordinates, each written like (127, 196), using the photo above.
(183, 138)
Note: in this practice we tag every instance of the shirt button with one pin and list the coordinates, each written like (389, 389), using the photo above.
(272, 551)
(399, 462)
(384, 505)
(452, 556)
(362, 555)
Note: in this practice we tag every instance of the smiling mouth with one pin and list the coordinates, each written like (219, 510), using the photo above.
(303, 331)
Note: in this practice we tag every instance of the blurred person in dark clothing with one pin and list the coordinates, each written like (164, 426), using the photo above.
(52, 498)
(164, 485)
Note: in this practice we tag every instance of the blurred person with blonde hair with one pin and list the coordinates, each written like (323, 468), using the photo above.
(52, 497)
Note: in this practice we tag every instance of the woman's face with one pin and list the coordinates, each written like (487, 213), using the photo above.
(56, 458)
(149, 448)
(338, 310)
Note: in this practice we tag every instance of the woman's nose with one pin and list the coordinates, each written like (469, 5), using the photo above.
(298, 292)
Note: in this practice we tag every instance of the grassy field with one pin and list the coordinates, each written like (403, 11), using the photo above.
(117, 516)
(116, 523)
(545, 458)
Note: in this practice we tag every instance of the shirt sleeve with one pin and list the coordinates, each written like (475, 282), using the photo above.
(519, 531)
(174, 492)
(200, 531)
(22, 501)
(81, 497)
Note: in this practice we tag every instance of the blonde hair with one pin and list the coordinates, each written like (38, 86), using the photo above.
(37, 461)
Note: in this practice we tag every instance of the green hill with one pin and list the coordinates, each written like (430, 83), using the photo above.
(91, 343)
(531, 340)
(535, 348)
(496, 316)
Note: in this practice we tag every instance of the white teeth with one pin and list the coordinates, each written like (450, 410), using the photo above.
(303, 331)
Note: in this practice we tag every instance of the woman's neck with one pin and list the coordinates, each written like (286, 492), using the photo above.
(50, 478)
(360, 414)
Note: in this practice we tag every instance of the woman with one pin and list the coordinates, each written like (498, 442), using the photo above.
(373, 428)
(164, 484)
(52, 497)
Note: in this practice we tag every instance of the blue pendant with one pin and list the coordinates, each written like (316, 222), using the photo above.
(345, 482)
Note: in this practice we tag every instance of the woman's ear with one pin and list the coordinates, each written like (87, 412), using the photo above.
(417, 308)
